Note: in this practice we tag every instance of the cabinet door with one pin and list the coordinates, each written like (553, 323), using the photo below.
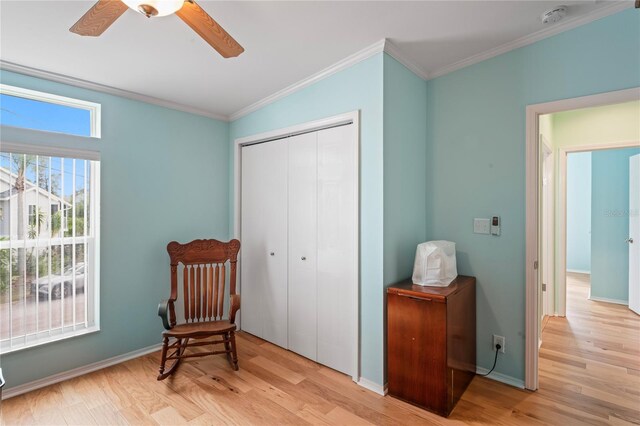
(337, 248)
(302, 244)
(264, 241)
(416, 351)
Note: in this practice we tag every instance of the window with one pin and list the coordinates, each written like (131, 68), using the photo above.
(32, 215)
(65, 214)
(30, 109)
(4, 219)
(49, 228)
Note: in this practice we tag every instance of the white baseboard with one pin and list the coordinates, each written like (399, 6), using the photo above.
(503, 378)
(605, 299)
(66, 375)
(374, 387)
(579, 271)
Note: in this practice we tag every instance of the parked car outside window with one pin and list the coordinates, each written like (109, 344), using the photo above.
(53, 283)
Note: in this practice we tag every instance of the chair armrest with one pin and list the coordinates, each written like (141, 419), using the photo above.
(234, 306)
(163, 312)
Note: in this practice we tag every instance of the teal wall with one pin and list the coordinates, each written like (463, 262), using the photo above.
(392, 104)
(579, 212)
(476, 157)
(356, 88)
(610, 224)
(157, 160)
(405, 152)
(163, 173)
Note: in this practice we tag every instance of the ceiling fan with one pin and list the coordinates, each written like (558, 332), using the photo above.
(105, 12)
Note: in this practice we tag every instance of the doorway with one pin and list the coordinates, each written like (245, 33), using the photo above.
(600, 216)
(552, 303)
(597, 208)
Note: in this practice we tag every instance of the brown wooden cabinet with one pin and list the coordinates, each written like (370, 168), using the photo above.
(431, 342)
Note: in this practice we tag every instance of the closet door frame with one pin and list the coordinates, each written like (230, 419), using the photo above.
(352, 118)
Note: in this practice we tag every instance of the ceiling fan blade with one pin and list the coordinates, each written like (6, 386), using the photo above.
(99, 18)
(199, 21)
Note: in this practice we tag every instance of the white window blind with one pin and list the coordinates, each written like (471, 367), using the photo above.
(48, 247)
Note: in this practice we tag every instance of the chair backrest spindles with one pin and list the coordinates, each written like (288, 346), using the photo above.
(185, 290)
(210, 290)
(192, 293)
(203, 276)
(223, 276)
(215, 291)
(203, 285)
(198, 292)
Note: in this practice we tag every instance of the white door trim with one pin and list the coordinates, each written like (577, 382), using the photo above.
(532, 178)
(349, 117)
(634, 232)
(561, 303)
(547, 231)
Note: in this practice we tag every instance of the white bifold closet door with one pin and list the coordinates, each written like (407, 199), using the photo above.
(264, 241)
(313, 178)
(303, 252)
(337, 248)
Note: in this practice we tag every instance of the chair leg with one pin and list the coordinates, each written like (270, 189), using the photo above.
(176, 362)
(163, 359)
(227, 347)
(234, 353)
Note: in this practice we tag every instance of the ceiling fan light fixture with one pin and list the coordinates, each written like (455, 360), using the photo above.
(154, 8)
(105, 12)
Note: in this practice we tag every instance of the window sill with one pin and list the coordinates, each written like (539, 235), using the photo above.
(35, 342)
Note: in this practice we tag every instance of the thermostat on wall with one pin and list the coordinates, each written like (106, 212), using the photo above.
(495, 225)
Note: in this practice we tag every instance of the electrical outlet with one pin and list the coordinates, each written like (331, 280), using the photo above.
(498, 340)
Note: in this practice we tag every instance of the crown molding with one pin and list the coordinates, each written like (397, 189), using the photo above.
(570, 23)
(84, 84)
(359, 56)
(383, 45)
(396, 53)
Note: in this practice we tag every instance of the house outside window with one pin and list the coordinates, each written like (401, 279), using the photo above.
(49, 261)
(32, 215)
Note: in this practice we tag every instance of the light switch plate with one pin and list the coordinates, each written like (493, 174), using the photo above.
(481, 226)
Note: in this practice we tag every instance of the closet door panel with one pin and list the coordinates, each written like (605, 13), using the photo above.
(302, 244)
(264, 241)
(337, 248)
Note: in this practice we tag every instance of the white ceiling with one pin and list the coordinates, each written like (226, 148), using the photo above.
(284, 42)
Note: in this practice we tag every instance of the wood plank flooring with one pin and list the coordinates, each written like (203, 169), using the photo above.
(590, 360)
(589, 374)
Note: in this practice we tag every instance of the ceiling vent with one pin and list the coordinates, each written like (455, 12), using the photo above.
(554, 15)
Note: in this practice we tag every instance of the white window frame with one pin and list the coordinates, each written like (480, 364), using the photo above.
(94, 109)
(24, 140)
(31, 214)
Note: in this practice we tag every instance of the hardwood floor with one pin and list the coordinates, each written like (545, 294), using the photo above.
(589, 374)
(590, 360)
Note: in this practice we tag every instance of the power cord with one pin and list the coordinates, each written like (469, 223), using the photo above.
(495, 361)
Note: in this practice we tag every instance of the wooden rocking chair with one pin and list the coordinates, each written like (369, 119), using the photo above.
(203, 284)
